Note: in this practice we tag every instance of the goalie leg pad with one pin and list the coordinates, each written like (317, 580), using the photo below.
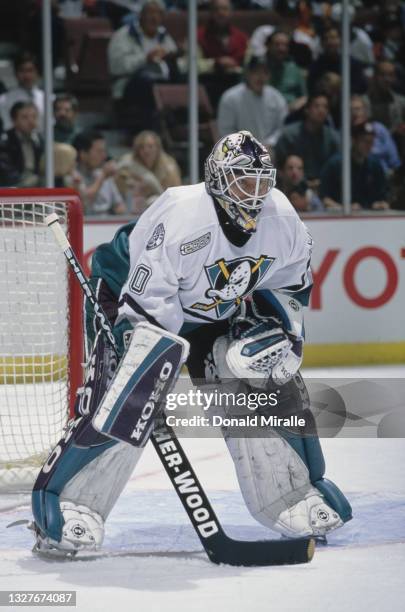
(87, 470)
(100, 370)
(275, 485)
(295, 400)
(147, 372)
(281, 474)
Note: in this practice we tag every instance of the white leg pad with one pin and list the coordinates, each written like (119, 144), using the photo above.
(275, 485)
(99, 484)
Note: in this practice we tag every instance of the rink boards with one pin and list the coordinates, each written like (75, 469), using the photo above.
(356, 314)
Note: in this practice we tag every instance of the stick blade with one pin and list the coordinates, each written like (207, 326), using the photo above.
(261, 553)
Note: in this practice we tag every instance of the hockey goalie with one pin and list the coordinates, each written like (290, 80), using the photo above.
(214, 275)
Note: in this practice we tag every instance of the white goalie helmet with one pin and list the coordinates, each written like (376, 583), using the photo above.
(240, 174)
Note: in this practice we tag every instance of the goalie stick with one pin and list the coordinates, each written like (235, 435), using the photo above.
(219, 547)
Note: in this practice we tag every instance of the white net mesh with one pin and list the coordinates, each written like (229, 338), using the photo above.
(34, 320)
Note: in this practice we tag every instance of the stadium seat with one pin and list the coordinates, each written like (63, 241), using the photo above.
(87, 74)
(172, 105)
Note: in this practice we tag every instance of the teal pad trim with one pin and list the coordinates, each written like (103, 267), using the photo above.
(45, 502)
(335, 498)
(310, 451)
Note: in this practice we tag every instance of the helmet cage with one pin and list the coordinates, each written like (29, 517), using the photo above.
(244, 187)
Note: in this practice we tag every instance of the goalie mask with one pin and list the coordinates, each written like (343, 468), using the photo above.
(239, 173)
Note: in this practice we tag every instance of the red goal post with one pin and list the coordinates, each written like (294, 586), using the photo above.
(41, 327)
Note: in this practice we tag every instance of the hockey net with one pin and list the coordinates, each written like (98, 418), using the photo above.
(40, 330)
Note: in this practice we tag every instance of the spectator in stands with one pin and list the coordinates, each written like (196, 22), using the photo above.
(384, 147)
(27, 75)
(222, 49)
(361, 45)
(295, 186)
(392, 45)
(221, 42)
(311, 139)
(387, 106)
(330, 84)
(95, 182)
(253, 105)
(285, 75)
(64, 159)
(140, 54)
(148, 152)
(369, 185)
(145, 172)
(330, 61)
(21, 148)
(65, 109)
(306, 42)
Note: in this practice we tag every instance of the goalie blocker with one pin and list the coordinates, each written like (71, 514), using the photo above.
(147, 372)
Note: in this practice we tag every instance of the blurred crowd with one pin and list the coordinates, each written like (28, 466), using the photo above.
(282, 81)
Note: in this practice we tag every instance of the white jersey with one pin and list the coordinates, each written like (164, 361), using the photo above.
(184, 269)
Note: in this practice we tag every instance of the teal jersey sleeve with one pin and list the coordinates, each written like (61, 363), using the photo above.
(111, 260)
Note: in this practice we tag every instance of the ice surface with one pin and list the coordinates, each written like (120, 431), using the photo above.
(152, 561)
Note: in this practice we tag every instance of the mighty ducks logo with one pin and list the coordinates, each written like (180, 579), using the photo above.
(231, 281)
